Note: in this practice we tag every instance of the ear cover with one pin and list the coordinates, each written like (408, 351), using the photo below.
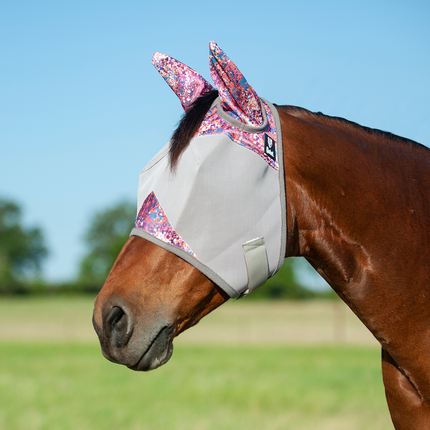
(187, 84)
(237, 97)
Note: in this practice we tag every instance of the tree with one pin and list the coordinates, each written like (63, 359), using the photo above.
(22, 250)
(108, 231)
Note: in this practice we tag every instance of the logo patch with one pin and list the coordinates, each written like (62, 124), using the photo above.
(269, 147)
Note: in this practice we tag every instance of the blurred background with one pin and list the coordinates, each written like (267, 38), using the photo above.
(82, 111)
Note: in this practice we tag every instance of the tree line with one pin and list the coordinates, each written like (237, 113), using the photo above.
(23, 251)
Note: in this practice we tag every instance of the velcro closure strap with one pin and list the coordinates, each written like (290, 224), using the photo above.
(257, 265)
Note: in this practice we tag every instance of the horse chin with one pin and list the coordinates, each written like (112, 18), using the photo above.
(158, 353)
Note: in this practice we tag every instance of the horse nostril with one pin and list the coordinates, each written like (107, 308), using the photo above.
(117, 326)
(115, 316)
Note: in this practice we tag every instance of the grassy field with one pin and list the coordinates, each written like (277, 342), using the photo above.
(52, 375)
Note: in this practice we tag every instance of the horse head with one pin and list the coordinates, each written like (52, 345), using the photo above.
(210, 223)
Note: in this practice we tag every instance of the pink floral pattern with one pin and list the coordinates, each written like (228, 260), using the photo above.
(214, 124)
(153, 220)
(187, 84)
(238, 98)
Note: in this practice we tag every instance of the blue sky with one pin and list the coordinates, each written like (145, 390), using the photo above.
(82, 109)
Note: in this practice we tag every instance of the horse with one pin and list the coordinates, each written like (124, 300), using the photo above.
(356, 207)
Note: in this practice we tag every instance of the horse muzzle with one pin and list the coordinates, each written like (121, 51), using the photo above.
(158, 353)
(133, 344)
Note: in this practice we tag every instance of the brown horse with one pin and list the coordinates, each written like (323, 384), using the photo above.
(358, 209)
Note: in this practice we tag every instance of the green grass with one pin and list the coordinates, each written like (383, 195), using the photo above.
(246, 366)
(71, 386)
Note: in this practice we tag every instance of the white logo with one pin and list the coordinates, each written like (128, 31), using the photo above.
(269, 148)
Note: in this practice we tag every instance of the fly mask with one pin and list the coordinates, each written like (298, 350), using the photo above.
(222, 208)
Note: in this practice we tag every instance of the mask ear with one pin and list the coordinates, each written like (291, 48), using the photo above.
(187, 84)
(237, 97)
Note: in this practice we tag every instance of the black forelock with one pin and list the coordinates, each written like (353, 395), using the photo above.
(188, 125)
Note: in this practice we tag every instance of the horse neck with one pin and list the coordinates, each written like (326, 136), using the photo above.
(347, 192)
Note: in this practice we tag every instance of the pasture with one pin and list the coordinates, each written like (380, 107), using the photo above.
(250, 365)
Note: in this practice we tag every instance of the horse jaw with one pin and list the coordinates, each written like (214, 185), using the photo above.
(149, 297)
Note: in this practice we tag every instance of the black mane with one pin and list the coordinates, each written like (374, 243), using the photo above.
(189, 124)
(191, 120)
(297, 111)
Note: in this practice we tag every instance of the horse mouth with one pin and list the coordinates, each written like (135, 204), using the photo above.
(158, 353)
